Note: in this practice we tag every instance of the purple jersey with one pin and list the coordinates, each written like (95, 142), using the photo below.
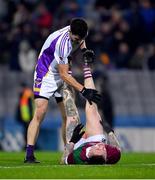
(55, 50)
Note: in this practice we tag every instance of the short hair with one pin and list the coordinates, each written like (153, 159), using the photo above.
(96, 160)
(79, 27)
(113, 154)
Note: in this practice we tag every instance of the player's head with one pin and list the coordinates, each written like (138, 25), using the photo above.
(79, 28)
(97, 154)
(113, 154)
(104, 154)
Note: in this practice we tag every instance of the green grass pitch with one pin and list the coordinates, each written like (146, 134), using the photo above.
(131, 166)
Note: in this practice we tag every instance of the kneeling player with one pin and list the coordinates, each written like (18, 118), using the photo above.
(98, 145)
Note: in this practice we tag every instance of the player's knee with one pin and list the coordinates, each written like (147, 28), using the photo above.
(39, 115)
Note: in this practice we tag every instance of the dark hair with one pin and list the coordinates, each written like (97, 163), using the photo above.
(79, 27)
(96, 160)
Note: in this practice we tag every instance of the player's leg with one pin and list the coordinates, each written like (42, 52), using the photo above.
(93, 126)
(41, 105)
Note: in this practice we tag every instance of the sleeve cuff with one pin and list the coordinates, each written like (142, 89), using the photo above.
(87, 151)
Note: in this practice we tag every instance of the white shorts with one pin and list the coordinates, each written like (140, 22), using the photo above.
(47, 86)
(95, 138)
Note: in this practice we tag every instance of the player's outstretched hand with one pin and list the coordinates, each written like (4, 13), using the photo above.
(91, 95)
(106, 126)
(77, 133)
(88, 56)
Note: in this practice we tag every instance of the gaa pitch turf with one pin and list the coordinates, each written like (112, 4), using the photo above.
(131, 166)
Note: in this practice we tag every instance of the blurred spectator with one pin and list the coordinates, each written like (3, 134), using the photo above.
(138, 59)
(110, 23)
(105, 59)
(42, 17)
(15, 38)
(106, 105)
(3, 9)
(104, 4)
(123, 57)
(25, 107)
(147, 13)
(21, 15)
(67, 10)
(107, 39)
(30, 34)
(151, 60)
(27, 57)
(124, 29)
(4, 54)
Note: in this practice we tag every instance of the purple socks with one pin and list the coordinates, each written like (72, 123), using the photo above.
(29, 151)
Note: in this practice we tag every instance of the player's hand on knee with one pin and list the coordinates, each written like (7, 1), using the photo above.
(91, 95)
(88, 56)
(77, 133)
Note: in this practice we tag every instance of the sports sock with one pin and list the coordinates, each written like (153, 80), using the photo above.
(70, 72)
(29, 151)
(87, 71)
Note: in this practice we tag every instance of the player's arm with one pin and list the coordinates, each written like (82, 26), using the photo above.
(110, 132)
(76, 136)
(113, 140)
(61, 56)
(68, 152)
(63, 70)
(63, 67)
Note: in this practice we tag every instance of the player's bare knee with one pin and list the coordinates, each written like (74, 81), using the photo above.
(39, 114)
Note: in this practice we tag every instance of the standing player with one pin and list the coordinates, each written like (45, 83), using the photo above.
(50, 74)
(92, 148)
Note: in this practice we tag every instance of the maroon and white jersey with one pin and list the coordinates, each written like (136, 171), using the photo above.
(79, 155)
(81, 149)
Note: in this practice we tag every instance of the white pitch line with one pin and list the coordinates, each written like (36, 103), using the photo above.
(46, 166)
(18, 167)
(143, 164)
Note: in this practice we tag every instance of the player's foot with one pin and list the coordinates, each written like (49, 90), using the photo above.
(62, 160)
(63, 157)
(31, 159)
